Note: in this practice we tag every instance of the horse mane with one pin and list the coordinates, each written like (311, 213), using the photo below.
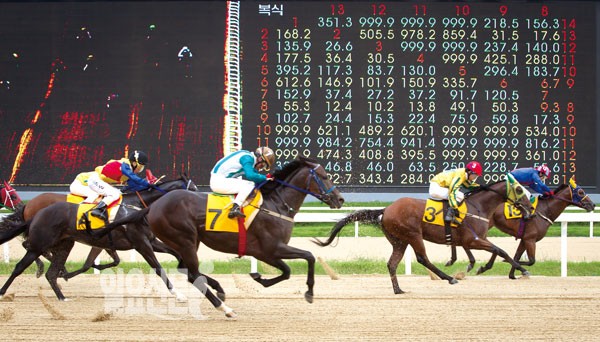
(560, 187)
(283, 173)
(480, 189)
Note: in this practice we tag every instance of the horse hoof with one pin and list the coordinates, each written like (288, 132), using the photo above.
(469, 268)
(256, 276)
(453, 281)
(229, 313)
(480, 270)
(221, 296)
(525, 275)
(449, 263)
(309, 297)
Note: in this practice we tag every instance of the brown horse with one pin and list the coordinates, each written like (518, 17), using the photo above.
(58, 222)
(179, 220)
(402, 224)
(532, 230)
(142, 198)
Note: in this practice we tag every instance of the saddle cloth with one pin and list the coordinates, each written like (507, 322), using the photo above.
(434, 212)
(95, 223)
(218, 207)
(512, 212)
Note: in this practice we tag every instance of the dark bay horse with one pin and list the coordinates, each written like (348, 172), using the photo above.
(532, 230)
(25, 213)
(402, 224)
(58, 223)
(179, 220)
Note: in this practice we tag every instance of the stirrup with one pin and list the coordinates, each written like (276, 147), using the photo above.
(236, 212)
(100, 213)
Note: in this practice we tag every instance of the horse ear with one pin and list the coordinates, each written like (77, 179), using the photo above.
(572, 182)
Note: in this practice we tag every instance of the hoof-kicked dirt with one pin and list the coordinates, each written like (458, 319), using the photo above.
(137, 308)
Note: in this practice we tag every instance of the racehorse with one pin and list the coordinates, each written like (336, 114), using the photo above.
(25, 213)
(59, 222)
(179, 220)
(532, 230)
(402, 224)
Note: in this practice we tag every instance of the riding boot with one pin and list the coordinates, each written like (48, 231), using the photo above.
(451, 216)
(236, 211)
(100, 211)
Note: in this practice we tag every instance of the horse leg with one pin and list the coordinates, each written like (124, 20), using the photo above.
(112, 253)
(57, 265)
(419, 248)
(452, 256)
(283, 251)
(89, 262)
(488, 265)
(398, 249)
(199, 281)
(523, 245)
(144, 247)
(486, 245)
(161, 247)
(40, 267)
(21, 266)
(38, 261)
(472, 259)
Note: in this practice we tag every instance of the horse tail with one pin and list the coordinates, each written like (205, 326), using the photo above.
(136, 217)
(363, 216)
(13, 225)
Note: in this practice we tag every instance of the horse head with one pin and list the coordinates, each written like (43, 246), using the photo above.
(309, 177)
(510, 191)
(578, 196)
(9, 196)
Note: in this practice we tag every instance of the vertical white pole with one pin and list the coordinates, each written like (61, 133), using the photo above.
(563, 249)
(356, 229)
(6, 253)
(253, 265)
(96, 262)
(408, 260)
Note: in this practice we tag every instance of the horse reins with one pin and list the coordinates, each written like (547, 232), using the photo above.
(324, 192)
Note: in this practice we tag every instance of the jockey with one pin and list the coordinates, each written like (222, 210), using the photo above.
(98, 182)
(237, 173)
(446, 185)
(534, 178)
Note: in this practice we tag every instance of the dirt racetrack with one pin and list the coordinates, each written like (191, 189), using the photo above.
(117, 307)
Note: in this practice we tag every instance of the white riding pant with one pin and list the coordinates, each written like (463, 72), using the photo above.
(95, 187)
(527, 193)
(230, 186)
(439, 192)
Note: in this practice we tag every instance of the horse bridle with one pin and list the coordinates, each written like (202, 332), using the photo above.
(8, 198)
(324, 194)
(575, 198)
